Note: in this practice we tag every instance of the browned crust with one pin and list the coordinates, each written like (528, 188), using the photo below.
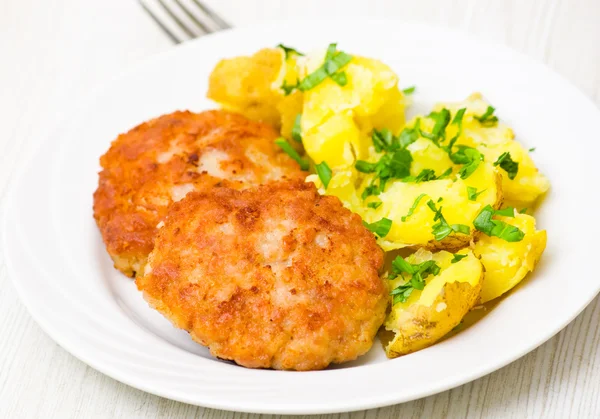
(135, 185)
(273, 277)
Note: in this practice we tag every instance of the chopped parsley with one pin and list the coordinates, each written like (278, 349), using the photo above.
(285, 146)
(289, 51)
(334, 61)
(374, 204)
(427, 175)
(532, 149)
(523, 211)
(409, 90)
(442, 229)
(457, 258)
(496, 228)
(473, 194)
(393, 165)
(409, 135)
(288, 88)
(507, 164)
(457, 120)
(424, 176)
(438, 133)
(506, 212)
(324, 172)
(413, 207)
(381, 227)
(340, 78)
(469, 157)
(297, 129)
(488, 119)
(419, 272)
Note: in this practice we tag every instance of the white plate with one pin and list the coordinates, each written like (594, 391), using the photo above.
(56, 258)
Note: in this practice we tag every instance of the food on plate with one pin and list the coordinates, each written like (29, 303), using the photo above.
(434, 214)
(431, 293)
(285, 230)
(333, 114)
(522, 183)
(245, 84)
(160, 161)
(276, 276)
(507, 263)
(446, 180)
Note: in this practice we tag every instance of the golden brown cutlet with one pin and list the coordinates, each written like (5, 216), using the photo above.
(160, 161)
(276, 276)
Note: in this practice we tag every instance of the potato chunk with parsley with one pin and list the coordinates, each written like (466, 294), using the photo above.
(412, 208)
(522, 183)
(250, 85)
(431, 293)
(507, 263)
(337, 119)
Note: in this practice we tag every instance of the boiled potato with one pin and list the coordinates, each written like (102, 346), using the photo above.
(337, 120)
(250, 85)
(506, 264)
(430, 314)
(529, 184)
(416, 229)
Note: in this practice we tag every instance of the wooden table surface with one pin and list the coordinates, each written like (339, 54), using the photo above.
(54, 51)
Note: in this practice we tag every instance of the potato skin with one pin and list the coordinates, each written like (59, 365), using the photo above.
(420, 323)
(273, 277)
(157, 162)
(455, 242)
(425, 326)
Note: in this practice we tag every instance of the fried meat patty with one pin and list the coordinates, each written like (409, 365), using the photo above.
(160, 161)
(271, 277)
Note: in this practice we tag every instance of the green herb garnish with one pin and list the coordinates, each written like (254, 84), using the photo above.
(324, 172)
(442, 229)
(438, 133)
(381, 227)
(289, 50)
(393, 165)
(340, 78)
(473, 194)
(496, 228)
(409, 90)
(419, 272)
(532, 149)
(505, 212)
(469, 157)
(427, 175)
(297, 129)
(523, 210)
(374, 204)
(506, 162)
(288, 88)
(334, 61)
(285, 146)
(488, 119)
(413, 207)
(409, 135)
(457, 258)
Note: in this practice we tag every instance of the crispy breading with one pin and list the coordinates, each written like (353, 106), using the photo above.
(159, 161)
(271, 277)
